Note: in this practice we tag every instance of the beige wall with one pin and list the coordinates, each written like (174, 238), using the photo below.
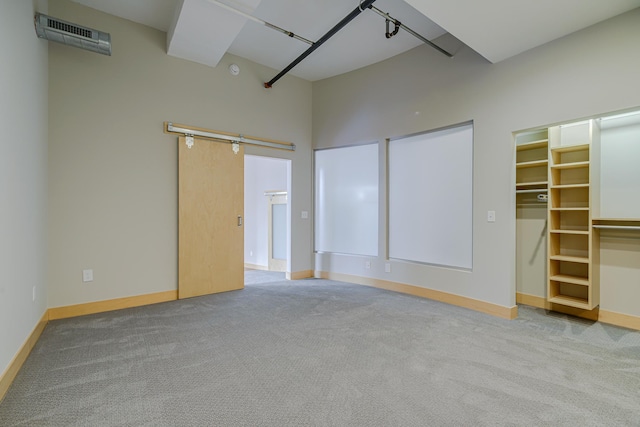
(112, 170)
(585, 74)
(23, 176)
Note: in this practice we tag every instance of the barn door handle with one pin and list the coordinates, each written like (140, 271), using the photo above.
(239, 221)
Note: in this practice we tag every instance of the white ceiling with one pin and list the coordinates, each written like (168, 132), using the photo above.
(500, 29)
(201, 31)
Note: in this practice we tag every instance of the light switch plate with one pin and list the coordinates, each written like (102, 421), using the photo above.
(491, 216)
(87, 275)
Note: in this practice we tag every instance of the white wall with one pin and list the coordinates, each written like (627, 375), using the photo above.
(112, 170)
(581, 75)
(23, 176)
(260, 174)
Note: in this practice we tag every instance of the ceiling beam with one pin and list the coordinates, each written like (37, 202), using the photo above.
(202, 31)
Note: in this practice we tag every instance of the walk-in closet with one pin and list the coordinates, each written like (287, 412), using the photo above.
(578, 216)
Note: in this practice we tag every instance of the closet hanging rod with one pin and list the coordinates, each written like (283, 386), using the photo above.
(617, 227)
(540, 190)
(170, 128)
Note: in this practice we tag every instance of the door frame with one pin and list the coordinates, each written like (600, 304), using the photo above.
(251, 216)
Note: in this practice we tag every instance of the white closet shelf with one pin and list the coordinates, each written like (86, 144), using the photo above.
(572, 165)
(578, 259)
(532, 145)
(570, 148)
(541, 184)
(561, 186)
(570, 279)
(570, 209)
(532, 164)
(570, 301)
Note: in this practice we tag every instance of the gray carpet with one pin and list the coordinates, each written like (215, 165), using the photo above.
(323, 353)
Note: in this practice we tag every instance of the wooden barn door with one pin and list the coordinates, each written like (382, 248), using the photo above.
(210, 218)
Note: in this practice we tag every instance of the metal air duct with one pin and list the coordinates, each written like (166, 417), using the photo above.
(60, 31)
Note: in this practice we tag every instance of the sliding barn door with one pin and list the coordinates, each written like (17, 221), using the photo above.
(210, 228)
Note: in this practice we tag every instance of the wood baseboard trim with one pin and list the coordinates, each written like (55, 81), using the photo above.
(256, 267)
(299, 275)
(110, 305)
(541, 302)
(457, 300)
(620, 319)
(9, 374)
(604, 316)
(532, 300)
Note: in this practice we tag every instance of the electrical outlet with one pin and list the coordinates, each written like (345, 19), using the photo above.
(304, 215)
(387, 268)
(367, 264)
(87, 275)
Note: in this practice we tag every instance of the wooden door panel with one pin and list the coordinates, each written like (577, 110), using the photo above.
(210, 200)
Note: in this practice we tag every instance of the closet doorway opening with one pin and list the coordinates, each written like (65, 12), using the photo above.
(267, 211)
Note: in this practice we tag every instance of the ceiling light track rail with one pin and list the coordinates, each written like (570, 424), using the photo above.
(217, 136)
(364, 4)
(355, 12)
(260, 21)
(397, 23)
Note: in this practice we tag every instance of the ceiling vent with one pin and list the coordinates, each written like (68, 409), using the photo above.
(64, 32)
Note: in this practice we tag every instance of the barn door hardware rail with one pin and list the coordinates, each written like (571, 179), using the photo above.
(235, 140)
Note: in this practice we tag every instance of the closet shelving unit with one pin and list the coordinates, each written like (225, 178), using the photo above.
(590, 224)
(531, 166)
(571, 242)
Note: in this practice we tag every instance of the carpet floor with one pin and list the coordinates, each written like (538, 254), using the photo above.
(323, 353)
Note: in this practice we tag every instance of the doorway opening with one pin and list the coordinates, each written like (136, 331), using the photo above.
(267, 213)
